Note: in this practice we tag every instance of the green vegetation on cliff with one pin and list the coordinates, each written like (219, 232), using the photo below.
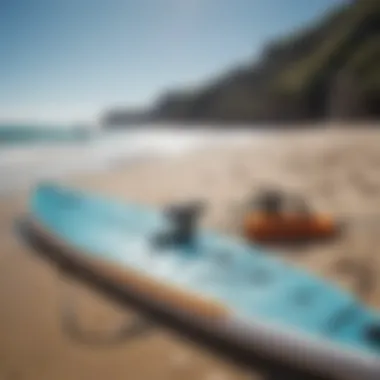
(329, 69)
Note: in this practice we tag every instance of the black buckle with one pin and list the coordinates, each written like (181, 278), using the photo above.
(184, 220)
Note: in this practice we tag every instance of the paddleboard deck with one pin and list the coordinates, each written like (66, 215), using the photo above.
(235, 289)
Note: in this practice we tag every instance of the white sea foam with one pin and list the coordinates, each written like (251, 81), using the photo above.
(22, 165)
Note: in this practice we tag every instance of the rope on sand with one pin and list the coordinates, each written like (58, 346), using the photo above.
(70, 323)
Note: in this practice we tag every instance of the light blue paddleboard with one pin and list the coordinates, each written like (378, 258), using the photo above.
(251, 283)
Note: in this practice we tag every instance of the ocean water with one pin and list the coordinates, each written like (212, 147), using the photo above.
(18, 134)
(29, 154)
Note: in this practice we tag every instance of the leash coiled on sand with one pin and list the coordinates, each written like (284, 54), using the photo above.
(71, 327)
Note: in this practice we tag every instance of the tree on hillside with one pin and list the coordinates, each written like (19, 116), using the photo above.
(344, 99)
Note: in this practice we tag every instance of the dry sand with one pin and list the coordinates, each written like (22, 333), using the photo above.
(338, 169)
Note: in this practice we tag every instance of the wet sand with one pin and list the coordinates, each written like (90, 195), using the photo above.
(339, 171)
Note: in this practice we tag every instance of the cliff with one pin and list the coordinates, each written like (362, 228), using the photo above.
(329, 70)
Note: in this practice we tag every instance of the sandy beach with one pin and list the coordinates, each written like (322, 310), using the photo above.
(337, 169)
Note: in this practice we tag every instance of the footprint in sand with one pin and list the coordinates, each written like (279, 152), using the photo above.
(364, 182)
(216, 376)
(180, 359)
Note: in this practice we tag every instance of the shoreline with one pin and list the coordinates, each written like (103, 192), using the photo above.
(24, 165)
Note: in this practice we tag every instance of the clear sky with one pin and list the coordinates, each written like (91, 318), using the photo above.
(70, 59)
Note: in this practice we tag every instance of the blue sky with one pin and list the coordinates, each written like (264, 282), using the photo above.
(70, 59)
